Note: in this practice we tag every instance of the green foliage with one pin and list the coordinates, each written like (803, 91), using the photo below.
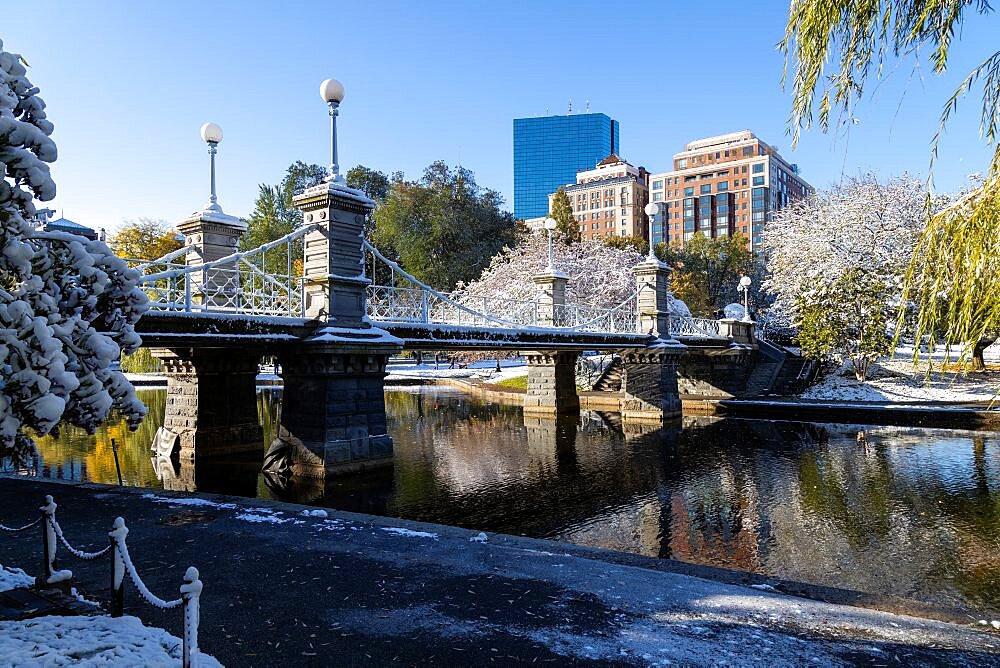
(145, 239)
(638, 244)
(562, 211)
(957, 253)
(274, 216)
(371, 182)
(707, 271)
(518, 382)
(953, 280)
(848, 319)
(443, 228)
(141, 361)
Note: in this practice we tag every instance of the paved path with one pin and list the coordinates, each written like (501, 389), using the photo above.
(286, 589)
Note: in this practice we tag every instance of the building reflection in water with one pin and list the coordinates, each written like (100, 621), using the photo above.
(888, 510)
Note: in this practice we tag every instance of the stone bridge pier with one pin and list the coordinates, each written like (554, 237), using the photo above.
(551, 373)
(211, 402)
(649, 381)
(333, 409)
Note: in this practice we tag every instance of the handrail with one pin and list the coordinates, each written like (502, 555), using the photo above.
(233, 257)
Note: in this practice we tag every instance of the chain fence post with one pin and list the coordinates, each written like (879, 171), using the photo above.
(50, 576)
(117, 536)
(191, 595)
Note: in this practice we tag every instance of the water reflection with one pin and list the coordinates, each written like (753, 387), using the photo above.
(890, 510)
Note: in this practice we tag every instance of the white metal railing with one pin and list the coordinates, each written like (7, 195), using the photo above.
(695, 327)
(397, 296)
(261, 281)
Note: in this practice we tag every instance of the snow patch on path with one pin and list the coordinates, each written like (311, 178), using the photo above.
(90, 641)
(260, 518)
(409, 533)
(178, 501)
(12, 578)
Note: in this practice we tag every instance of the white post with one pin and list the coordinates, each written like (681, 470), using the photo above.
(117, 537)
(191, 595)
(50, 576)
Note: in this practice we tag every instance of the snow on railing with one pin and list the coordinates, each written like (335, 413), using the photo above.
(417, 302)
(121, 565)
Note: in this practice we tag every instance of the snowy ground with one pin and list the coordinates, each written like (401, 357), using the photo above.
(897, 380)
(85, 640)
(485, 370)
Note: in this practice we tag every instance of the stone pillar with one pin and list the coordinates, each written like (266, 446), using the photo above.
(653, 282)
(551, 382)
(333, 263)
(211, 402)
(550, 298)
(649, 383)
(332, 410)
(211, 235)
(738, 331)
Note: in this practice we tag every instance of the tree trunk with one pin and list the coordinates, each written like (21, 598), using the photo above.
(978, 363)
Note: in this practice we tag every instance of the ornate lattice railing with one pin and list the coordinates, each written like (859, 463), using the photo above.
(397, 296)
(695, 327)
(262, 281)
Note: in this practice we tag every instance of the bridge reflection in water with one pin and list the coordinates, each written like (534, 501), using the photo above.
(888, 510)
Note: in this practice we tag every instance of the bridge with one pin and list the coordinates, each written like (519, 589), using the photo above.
(332, 309)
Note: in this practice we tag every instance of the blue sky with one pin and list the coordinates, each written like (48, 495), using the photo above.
(129, 84)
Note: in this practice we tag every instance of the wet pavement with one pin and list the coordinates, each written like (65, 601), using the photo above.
(283, 588)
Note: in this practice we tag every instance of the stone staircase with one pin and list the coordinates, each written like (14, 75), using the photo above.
(611, 379)
(779, 372)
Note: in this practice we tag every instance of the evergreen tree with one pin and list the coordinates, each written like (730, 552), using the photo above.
(562, 211)
(274, 216)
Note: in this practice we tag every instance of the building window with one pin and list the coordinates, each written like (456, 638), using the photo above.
(722, 186)
(744, 181)
(747, 151)
(657, 184)
(758, 168)
(623, 212)
(744, 169)
(706, 188)
(688, 179)
(688, 192)
(758, 180)
(657, 197)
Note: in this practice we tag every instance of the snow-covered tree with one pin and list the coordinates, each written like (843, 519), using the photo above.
(599, 276)
(838, 258)
(68, 306)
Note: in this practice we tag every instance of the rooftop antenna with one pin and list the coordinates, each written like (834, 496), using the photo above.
(588, 106)
(570, 106)
(546, 111)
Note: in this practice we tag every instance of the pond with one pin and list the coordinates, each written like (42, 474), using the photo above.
(898, 511)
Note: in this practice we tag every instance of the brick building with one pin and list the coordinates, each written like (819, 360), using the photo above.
(723, 185)
(608, 200)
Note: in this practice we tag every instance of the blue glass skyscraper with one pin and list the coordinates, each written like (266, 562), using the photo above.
(549, 151)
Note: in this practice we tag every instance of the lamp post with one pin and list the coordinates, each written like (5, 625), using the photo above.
(550, 227)
(332, 92)
(745, 286)
(651, 210)
(212, 135)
